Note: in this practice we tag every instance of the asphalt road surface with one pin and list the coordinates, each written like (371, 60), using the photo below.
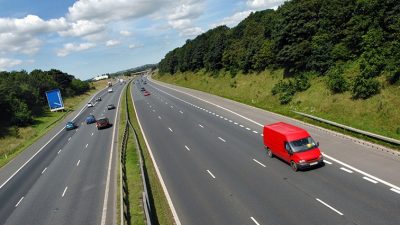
(67, 176)
(210, 154)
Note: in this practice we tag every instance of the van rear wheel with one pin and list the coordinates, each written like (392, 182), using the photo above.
(294, 166)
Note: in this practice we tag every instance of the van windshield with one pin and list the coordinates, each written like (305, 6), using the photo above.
(303, 144)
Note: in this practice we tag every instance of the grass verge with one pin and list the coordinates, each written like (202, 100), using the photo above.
(163, 214)
(18, 139)
(378, 114)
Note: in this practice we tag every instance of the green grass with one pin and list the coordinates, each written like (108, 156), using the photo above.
(18, 139)
(162, 211)
(378, 114)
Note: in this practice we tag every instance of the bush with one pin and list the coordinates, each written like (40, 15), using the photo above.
(286, 89)
(285, 98)
(337, 83)
(364, 88)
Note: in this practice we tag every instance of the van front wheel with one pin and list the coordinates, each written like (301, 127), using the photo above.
(294, 166)
(269, 153)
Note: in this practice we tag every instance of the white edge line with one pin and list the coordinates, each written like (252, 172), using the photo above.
(337, 211)
(171, 205)
(105, 201)
(254, 220)
(395, 190)
(212, 175)
(255, 160)
(325, 155)
(20, 200)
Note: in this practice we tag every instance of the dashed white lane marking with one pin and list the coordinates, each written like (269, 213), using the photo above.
(225, 118)
(395, 190)
(254, 220)
(221, 139)
(255, 132)
(212, 175)
(159, 117)
(347, 170)
(255, 160)
(170, 129)
(77, 164)
(221, 117)
(16, 205)
(337, 211)
(59, 151)
(92, 133)
(370, 180)
(241, 125)
(44, 170)
(69, 138)
(201, 126)
(65, 190)
(181, 112)
(172, 106)
(235, 123)
(327, 162)
(248, 128)
(187, 148)
(154, 110)
(86, 145)
(230, 121)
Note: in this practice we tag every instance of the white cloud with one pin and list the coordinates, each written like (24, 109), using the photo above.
(18, 43)
(264, 4)
(82, 28)
(110, 43)
(8, 63)
(125, 33)
(192, 31)
(71, 47)
(132, 46)
(233, 20)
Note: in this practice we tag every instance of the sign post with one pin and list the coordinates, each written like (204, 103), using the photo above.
(55, 100)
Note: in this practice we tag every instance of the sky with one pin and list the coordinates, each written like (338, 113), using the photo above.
(87, 38)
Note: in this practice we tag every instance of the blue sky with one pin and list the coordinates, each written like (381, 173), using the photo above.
(91, 37)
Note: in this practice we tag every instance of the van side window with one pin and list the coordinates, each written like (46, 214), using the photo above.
(287, 146)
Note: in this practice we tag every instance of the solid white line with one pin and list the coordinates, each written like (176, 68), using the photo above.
(170, 129)
(255, 160)
(337, 211)
(255, 132)
(254, 220)
(77, 164)
(187, 148)
(325, 161)
(44, 170)
(395, 190)
(19, 201)
(58, 151)
(65, 190)
(370, 180)
(345, 169)
(221, 139)
(201, 126)
(212, 175)
(86, 145)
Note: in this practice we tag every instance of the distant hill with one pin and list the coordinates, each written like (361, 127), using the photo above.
(136, 69)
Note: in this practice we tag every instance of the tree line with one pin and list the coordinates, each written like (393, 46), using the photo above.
(22, 94)
(303, 37)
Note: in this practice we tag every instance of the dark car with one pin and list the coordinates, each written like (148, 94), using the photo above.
(102, 123)
(142, 89)
(70, 126)
(110, 106)
(146, 93)
(98, 99)
(90, 119)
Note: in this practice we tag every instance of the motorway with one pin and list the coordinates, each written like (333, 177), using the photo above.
(66, 177)
(210, 155)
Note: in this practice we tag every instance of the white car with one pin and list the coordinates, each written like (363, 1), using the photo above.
(89, 104)
(110, 90)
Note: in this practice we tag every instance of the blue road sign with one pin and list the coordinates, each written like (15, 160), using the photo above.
(55, 100)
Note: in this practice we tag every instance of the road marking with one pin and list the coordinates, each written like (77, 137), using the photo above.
(181, 112)
(221, 139)
(77, 164)
(221, 117)
(69, 138)
(213, 113)
(172, 107)
(255, 132)
(235, 123)
(225, 118)
(170, 129)
(44, 170)
(86, 145)
(395, 190)
(212, 175)
(59, 151)
(154, 110)
(325, 161)
(241, 125)
(92, 133)
(345, 169)
(65, 190)
(370, 180)
(230, 121)
(254, 220)
(255, 160)
(159, 117)
(337, 211)
(187, 148)
(201, 126)
(19, 201)
(248, 128)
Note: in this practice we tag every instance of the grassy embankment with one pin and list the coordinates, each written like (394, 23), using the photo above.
(18, 139)
(379, 114)
(163, 214)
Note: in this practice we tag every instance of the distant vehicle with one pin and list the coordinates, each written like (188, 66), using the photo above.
(102, 123)
(90, 119)
(70, 126)
(98, 99)
(292, 144)
(142, 89)
(145, 82)
(109, 84)
(89, 104)
(146, 93)
(110, 90)
(110, 106)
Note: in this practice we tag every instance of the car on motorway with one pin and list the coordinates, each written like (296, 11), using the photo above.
(98, 99)
(103, 123)
(110, 90)
(89, 105)
(110, 106)
(146, 93)
(142, 89)
(292, 144)
(70, 125)
(90, 119)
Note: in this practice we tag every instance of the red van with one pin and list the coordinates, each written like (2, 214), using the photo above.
(292, 144)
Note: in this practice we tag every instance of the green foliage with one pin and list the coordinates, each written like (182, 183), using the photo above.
(286, 89)
(336, 82)
(364, 88)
